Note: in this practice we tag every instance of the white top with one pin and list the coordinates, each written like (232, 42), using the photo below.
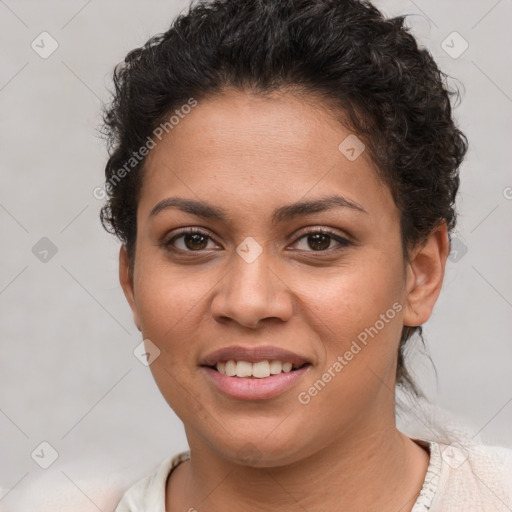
(458, 479)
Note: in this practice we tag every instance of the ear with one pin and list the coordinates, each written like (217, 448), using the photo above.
(425, 273)
(126, 280)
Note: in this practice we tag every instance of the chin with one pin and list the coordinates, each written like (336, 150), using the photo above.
(260, 451)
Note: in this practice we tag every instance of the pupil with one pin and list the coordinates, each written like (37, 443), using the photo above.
(318, 238)
(195, 238)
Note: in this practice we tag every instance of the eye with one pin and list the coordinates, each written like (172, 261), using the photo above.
(319, 240)
(316, 240)
(189, 240)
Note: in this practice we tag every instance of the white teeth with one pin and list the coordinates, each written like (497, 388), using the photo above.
(259, 370)
(243, 369)
(230, 368)
(275, 367)
(287, 367)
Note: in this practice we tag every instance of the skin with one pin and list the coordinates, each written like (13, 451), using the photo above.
(342, 450)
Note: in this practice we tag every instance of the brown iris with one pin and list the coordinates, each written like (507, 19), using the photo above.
(195, 241)
(320, 241)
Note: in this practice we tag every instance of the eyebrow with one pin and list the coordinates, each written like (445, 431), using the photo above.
(287, 212)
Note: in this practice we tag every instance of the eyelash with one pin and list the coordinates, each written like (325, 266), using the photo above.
(343, 242)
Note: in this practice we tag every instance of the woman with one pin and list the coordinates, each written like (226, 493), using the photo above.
(283, 177)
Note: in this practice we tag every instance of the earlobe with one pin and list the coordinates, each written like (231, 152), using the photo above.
(127, 283)
(425, 274)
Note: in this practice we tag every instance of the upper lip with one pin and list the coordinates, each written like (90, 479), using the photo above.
(253, 355)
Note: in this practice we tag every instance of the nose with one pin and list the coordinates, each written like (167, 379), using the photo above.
(252, 292)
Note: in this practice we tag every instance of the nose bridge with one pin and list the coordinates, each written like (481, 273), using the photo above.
(250, 292)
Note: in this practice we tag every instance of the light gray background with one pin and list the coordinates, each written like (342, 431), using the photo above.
(68, 374)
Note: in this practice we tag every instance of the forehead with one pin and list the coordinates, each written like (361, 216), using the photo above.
(263, 151)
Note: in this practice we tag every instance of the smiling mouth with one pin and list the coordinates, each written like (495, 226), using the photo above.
(257, 370)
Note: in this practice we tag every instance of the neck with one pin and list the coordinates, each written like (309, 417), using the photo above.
(381, 469)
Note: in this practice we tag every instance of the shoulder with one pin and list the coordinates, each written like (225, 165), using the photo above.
(474, 478)
(149, 492)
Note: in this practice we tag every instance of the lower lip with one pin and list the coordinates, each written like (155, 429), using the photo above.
(252, 388)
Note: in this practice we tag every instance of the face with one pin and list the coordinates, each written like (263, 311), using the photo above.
(327, 283)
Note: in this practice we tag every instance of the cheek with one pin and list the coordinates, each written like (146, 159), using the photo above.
(166, 297)
(357, 316)
(356, 312)
(168, 305)
(353, 296)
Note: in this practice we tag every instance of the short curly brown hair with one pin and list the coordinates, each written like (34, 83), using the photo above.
(385, 88)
